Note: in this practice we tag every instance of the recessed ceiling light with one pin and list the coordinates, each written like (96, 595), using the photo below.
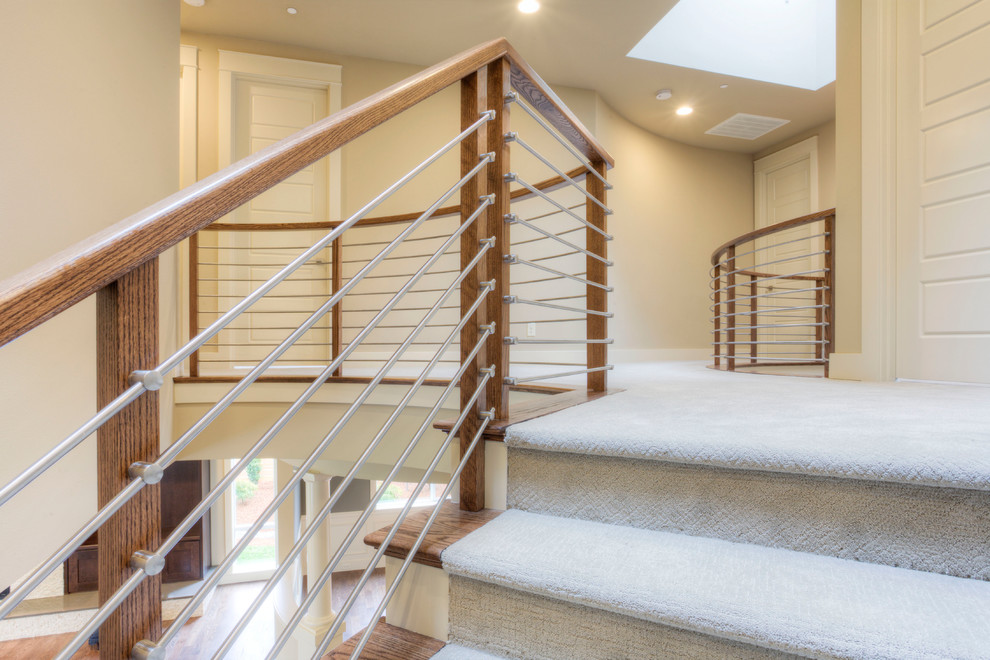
(685, 110)
(664, 94)
(195, 3)
(292, 10)
(529, 6)
(723, 85)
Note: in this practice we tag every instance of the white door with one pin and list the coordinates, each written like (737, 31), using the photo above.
(943, 191)
(262, 100)
(786, 188)
(265, 112)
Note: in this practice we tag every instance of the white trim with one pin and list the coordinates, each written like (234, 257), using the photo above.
(188, 175)
(234, 66)
(806, 149)
(879, 153)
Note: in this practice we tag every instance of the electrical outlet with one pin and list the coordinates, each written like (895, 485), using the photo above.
(530, 329)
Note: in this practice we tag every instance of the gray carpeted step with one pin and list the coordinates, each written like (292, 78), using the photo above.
(937, 529)
(457, 652)
(747, 595)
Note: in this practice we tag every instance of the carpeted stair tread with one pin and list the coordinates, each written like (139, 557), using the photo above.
(456, 652)
(925, 434)
(799, 603)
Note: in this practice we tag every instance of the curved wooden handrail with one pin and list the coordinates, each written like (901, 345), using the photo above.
(52, 286)
(547, 185)
(770, 229)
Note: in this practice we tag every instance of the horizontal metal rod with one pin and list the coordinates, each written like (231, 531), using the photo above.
(512, 97)
(513, 300)
(56, 454)
(101, 615)
(739, 328)
(187, 611)
(408, 256)
(555, 256)
(580, 320)
(514, 259)
(385, 293)
(767, 279)
(771, 263)
(256, 247)
(408, 240)
(550, 364)
(524, 340)
(551, 279)
(514, 137)
(363, 642)
(771, 294)
(513, 219)
(543, 238)
(574, 297)
(379, 277)
(238, 280)
(391, 327)
(770, 309)
(397, 309)
(361, 461)
(274, 296)
(194, 344)
(512, 176)
(769, 342)
(767, 357)
(740, 255)
(58, 557)
(321, 581)
(576, 372)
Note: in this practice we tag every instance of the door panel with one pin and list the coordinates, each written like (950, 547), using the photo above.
(943, 193)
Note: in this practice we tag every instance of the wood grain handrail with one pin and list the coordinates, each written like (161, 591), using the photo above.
(547, 185)
(55, 284)
(769, 229)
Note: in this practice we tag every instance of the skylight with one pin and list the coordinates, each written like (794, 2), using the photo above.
(786, 42)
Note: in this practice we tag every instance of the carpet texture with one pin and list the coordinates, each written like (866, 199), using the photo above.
(809, 605)
(942, 530)
(575, 632)
(911, 433)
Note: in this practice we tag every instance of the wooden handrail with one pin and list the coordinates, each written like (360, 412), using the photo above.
(52, 286)
(769, 229)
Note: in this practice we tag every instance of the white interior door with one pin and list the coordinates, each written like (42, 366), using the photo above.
(262, 100)
(265, 112)
(943, 191)
(786, 188)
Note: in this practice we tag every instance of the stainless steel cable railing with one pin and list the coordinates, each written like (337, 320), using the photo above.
(402, 301)
(773, 296)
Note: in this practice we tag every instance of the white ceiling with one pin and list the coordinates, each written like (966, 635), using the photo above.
(579, 43)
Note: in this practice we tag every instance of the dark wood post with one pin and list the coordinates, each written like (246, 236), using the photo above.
(754, 319)
(497, 269)
(337, 313)
(127, 340)
(717, 316)
(829, 288)
(472, 485)
(730, 319)
(597, 298)
(194, 300)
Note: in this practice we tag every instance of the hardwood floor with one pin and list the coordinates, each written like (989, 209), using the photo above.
(201, 637)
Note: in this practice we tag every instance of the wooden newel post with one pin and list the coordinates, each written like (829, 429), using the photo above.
(717, 316)
(127, 340)
(472, 485)
(597, 298)
(829, 290)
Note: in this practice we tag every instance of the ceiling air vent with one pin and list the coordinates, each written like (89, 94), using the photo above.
(746, 127)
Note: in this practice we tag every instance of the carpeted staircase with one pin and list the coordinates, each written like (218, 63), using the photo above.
(853, 524)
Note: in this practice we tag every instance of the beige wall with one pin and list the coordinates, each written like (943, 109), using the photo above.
(90, 106)
(674, 204)
(849, 178)
(667, 220)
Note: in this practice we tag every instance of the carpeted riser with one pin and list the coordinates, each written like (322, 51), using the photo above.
(940, 530)
(516, 624)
